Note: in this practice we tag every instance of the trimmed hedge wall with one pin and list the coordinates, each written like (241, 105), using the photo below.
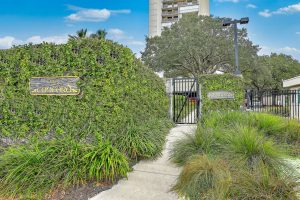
(115, 90)
(216, 82)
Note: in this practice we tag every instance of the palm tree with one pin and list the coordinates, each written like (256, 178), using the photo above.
(100, 34)
(82, 33)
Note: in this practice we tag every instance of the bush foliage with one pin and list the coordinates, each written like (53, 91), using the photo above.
(115, 89)
(120, 114)
(253, 146)
(224, 82)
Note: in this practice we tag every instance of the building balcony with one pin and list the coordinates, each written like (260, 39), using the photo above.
(168, 1)
(169, 20)
(165, 13)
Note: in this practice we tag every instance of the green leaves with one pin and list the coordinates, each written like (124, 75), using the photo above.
(196, 45)
(225, 82)
(268, 72)
(121, 113)
(237, 155)
(113, 91)
(31, 171)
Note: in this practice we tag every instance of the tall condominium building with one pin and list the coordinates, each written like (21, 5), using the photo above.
(163, 13)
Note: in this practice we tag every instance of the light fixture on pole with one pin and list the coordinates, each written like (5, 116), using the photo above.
(244, 20)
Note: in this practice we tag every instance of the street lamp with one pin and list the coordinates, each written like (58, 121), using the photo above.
(244, 20)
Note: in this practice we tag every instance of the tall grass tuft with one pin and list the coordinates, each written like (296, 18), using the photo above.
(31, 171)
(247, 144)
(255, 147)
(202, 142)
(145, 141)
(284, 132)
(292, 137)
(203, 178)
(225, 119)
(261, 184)
(271, 125)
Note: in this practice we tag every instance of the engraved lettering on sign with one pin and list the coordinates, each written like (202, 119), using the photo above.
(220, 95)
(65, 85)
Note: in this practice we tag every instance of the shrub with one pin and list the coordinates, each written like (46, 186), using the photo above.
(203, 178)
(203, 142)
(119, 98)
(31, 171)
(115, 90)
(216, 82)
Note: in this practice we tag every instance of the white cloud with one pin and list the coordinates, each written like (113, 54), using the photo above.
(265, 13)
(289, 9)
(120, 36)
(231, 1)
(281, 11)
(8, 41)
(294, 52)
(297, 33)
(92, 15)
(251, 6)
(52, 39)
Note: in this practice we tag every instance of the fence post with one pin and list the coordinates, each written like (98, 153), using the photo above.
(169, 90)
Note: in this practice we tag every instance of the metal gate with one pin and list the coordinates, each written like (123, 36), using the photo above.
(186, 100)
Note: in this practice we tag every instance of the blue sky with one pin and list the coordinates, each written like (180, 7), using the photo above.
(274, 24)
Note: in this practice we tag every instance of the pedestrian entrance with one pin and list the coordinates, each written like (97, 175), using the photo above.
(186, 100)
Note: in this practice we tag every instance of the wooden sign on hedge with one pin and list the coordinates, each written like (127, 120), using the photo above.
(64, 85)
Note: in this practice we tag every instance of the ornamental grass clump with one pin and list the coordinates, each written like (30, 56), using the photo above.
(262, 184)
(32, 171)
(202, 142)
(142, 141)
(284, 132)
(254, 153)
(269, 124)
(247, 144)
(292, 137)
(204, 178)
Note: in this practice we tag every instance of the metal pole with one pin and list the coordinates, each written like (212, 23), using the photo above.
(236, 50)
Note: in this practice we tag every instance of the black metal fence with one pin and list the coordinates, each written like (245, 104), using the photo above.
(185, 101)
(285, 103)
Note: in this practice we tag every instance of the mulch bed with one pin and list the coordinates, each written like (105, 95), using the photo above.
(83, 192)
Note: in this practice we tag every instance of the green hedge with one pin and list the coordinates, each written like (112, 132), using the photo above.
(121, 114)
(115, 90)
(225, 82)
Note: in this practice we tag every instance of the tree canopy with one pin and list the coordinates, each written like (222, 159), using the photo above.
(269, 71)
(83, 33)
(197, 45)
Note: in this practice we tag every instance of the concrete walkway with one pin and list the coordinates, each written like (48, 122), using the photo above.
(150, 179)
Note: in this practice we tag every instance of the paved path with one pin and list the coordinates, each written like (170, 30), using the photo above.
(150, 179)
(191, 118)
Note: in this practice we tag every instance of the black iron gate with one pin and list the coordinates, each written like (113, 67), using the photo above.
(186, 103)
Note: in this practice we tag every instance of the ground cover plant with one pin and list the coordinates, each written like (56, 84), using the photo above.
(239, 155)
(120, 115)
